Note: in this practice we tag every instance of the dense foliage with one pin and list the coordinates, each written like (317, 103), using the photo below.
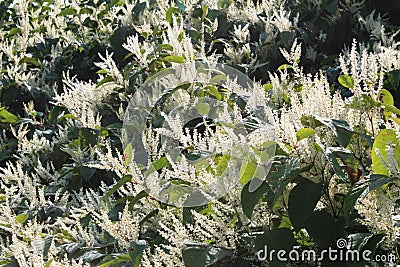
(68, 190)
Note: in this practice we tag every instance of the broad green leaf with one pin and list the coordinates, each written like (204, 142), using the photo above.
(218, 78)
(7, 117)
(276, 239)
(15, 31)
(363, 241)
(391, 108)
(223, 163)
(340, 128)
(214, 91)
(385, 151)
(165, 47)
(138, 9)
(148, 216)
(135, 199)
(101, 72)
(268, 86)
(247, 171)
(106, 79)
(136, 251)
(68, 11)
(200, 255)
(386, 97)
(91, 255)
(350, 163)
(331, 6)
(120, 258)
(170, 12)
(48, 263)
(335, 164)
(224, 3)
(324, 228)
(304, 133)
(176, 59)
(205, 11)
(250, 199)
(364, 186)
(43, 245)
(30, 60)
(124, 180)
(302, 200)
(21, 218)
(346, 81)
(284, 66)
(283, 171)
(203, 108)
(131, 199)
(158, 165)
(161, 163)
(128, 154)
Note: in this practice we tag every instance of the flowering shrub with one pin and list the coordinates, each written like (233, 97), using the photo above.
(69, 190)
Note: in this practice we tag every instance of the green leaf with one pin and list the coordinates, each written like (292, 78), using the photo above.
(119, 37)
(128, 154)
(363, 241)
(14, 31)
(364, 186)
(43, 245)
(351, 164)
(203, 108)
(30, 61)
(323, 228)
(381, 157)
(340, 128)
(136, 251)
(106, 79)
(68, 11)
(21, 218)
(223, 163)
(283, 171)
(161, 163)
(386, 97)
(121, 258)
(170, 12)
(124, 180)
(284, 67)
(135, 199)
(332, 6)
(165, 47)
(218, 78)
(268, 86)
(250, 199)
(7, 117)
(148, 216)
(302, 200)
(304, 133)
(138, 9)
(176, 59)
(48, 263)
(224, 3)
(346, 81)
(91, 255)
(200, 255)
(276, 239)
(247, 171)
(214, 91)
